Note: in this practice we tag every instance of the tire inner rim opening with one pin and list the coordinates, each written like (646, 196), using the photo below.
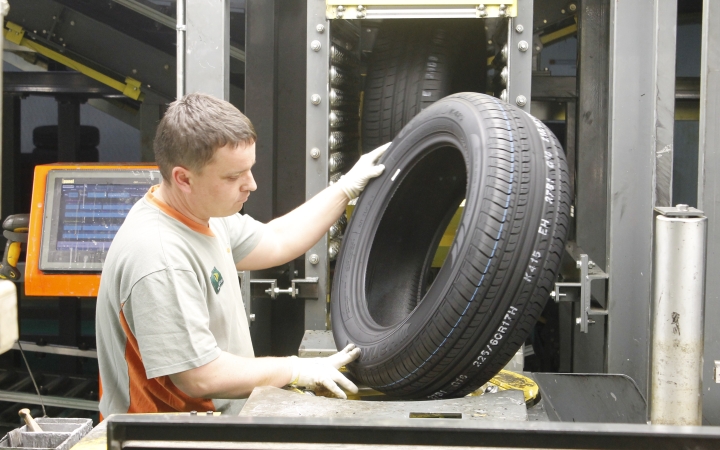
(399, 269)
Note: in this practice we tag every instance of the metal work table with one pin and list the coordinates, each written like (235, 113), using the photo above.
(293, 421)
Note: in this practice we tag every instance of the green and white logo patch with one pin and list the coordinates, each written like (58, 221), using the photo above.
(216, 279)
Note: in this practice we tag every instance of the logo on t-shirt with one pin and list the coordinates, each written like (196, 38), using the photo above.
(216, 279)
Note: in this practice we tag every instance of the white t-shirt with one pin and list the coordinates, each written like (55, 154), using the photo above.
(169, 301)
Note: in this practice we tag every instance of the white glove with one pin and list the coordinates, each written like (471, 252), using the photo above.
(313, 372)
(353, 182)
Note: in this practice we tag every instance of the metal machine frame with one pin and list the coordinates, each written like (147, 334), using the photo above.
(321, 62)
(126, 431)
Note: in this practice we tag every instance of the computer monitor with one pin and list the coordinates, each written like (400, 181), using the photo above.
(83, 211)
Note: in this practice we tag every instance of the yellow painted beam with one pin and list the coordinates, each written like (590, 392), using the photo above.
(131, 87)
(559, 34)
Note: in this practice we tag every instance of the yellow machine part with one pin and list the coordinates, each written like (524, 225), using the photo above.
(446, 240)
(506, 380)
(131, 87)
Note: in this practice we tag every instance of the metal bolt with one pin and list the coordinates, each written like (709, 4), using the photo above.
(504, 95)
(340, 12)
(360, 8)
(315, 46)
(521, 100)
(553, 294)
(578, 320)
(523, 46)
(503, 11)
(252, 317)
(315, 153)
(504, 52)
(572, 6)
(519, 28)
(315, 99)
(314, 259)
(591, 264)
(209, 413)
(562, 11)
(320, 28)
(481, 11)
(578, 264)
(682, 207)
(504, 75)
(193, 413)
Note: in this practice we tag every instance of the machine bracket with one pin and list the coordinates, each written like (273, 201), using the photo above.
(403, 9)
(301, 288)
(580, 290)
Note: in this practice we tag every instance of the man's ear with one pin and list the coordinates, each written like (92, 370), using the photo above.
(181, 178)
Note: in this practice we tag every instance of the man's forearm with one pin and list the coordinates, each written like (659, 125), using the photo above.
(305, 225)
(231, 376)
(293, 234)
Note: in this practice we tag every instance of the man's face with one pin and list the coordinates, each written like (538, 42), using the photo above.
(225, 183)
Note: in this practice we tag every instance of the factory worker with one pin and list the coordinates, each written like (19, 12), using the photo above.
(172, 334)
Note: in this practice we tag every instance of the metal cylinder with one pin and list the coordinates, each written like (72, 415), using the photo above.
(678, 311)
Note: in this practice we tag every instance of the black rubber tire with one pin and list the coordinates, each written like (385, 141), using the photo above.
(448, 339)
(415, 63)
(46, 136)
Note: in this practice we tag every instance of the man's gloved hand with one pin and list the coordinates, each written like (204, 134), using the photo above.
(353, 182)
(313, 372)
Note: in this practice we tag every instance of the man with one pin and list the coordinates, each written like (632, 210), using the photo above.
(171, 328)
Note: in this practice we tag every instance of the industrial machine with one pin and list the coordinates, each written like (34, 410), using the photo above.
(622, 117)
(77, 210)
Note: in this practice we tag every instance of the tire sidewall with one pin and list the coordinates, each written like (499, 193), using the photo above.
(453, 121)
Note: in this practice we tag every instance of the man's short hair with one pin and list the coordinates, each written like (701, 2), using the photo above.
(193, 128)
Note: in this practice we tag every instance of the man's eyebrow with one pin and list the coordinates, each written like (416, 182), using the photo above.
(238, 173)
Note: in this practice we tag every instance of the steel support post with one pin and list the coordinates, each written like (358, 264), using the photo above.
(10, 154)
(68, 129)
(261, 101)
(634, 99)
(677, 318)
(316, 151)
(151, 111)
(665, 42)
(207, 47)
(591, 166)
(708, 192)
(519, 55)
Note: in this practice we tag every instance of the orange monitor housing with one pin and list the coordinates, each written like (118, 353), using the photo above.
(38, 283)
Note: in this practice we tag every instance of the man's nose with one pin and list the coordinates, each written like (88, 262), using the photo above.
(251, 185)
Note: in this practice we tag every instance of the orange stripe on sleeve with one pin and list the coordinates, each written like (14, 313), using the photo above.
(155, 394)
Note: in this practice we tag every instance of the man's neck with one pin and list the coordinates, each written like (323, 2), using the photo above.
(177, 201)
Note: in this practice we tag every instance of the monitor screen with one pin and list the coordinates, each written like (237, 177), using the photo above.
(83, 211)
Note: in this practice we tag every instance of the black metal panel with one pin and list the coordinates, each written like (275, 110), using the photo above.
(214, 430)
(599, 398)
(546, 87)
